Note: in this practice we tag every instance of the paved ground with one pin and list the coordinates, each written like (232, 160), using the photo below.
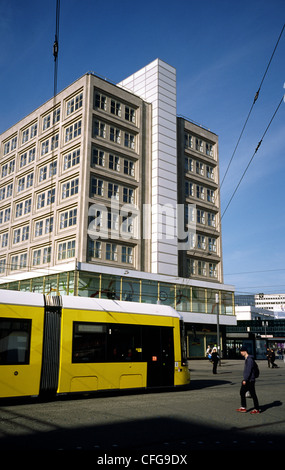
(198, 420)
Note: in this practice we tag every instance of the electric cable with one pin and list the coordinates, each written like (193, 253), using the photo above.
(244, 126)
(254, 101)
(258, 145)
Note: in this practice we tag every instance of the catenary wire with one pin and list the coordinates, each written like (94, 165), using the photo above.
(254, 101)
(244, 126)
(258, 145)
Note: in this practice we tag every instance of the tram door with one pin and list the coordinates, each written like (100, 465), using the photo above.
(158, 352)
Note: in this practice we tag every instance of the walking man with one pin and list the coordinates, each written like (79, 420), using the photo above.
(248, 383)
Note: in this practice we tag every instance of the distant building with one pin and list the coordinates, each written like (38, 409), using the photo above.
(272, 302)
(245, 300)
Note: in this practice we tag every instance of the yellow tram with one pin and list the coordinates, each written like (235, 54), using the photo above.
(55, 345)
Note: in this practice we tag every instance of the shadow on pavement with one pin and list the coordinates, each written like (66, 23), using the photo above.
(140, 437)
(199, 384)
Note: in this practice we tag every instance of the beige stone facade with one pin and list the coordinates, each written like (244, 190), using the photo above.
(84, 176)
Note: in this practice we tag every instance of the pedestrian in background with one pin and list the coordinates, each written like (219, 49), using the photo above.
(272, 358)
(215, 359)
(248, 383)
(268, 356)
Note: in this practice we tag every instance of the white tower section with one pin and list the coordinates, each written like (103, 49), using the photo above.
(156, 84)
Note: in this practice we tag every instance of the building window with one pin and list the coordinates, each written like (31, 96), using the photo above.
(200, 216)
(66, 250)
(200, 168)
(5, 240)
(99, 129)
(36, 257)
(23, 260)
(189, 191)
(17, 236)
(202, 270)
(114, 162)
(27, 206)
(201, 242)
(211, 220)
(14, 263)
(128, 196)
(68, 218)
(210, 195)
(21, 184)
(209, 150)
(116, 108)
(113, 221)
(46, 198)
(210, 172)
(25, 233)
(47, 254)
(95, 249)
(45, 147)
(70, 188)
(127, 254)
(188, 164)
(97, 157)
(100, 101)
(21, 234)
(200, 192)
(212, 245)
(111, 252)
(30, 180)
(188, 140)
(130, 114)
(50, 144)
(97, 187)
(74, 104)
(113, 191)
(71, 159)
(8, 168)
(212, 270)
(25, 135)
(199, 145)
(115, 135)
(7, 214)
(39, 228)
(129, 141)
(2, 265)
(129, 167)
(73, 131)
(9, 189)
(46, 122)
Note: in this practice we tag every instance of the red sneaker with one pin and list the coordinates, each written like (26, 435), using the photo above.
(254, 412)
(241, 409)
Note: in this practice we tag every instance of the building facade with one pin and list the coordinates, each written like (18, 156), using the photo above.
(104, 183)
(273, 302)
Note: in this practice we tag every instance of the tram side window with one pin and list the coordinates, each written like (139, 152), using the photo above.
(89, 342)
(15, 337)
(124, 343)
(94, 342)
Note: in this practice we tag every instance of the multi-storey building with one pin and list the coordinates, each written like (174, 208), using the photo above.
(91, 189)
(198, 162)
(272, 302)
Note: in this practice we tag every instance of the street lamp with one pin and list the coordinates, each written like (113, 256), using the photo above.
(218, 324)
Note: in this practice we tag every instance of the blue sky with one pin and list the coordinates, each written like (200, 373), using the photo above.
(220, 50)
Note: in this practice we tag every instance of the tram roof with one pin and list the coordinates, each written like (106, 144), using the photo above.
(87, 303)
(11, 297)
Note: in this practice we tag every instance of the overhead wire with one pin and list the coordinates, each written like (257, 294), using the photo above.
(252, 106)
(240, 136)
(53, 158)
(258, 145)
